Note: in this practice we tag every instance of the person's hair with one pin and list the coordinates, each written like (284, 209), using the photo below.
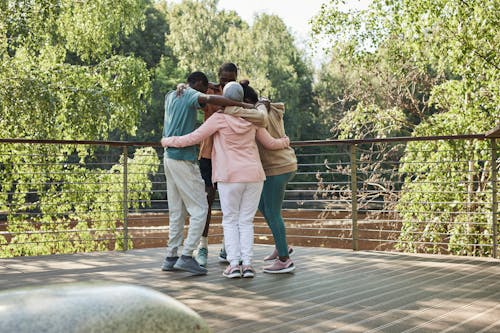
(249, 93)
(197, 76)
(233, 91)
(228, 67)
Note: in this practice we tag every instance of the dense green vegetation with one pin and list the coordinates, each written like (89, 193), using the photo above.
(99, 70)
(61, 79)
(422, 68)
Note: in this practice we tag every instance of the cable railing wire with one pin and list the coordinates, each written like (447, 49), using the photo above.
(318, 200)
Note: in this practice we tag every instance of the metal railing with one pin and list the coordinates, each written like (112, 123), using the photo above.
(428, 194)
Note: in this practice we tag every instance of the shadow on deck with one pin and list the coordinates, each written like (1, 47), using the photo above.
(332, 290)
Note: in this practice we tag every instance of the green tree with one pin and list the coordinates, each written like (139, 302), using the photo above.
(203, 38)
(198, 35)
(42, 96)
(451, 51)
(59, 79)
(282, 73)
(266, 55)
(147, 41)
(462, 38)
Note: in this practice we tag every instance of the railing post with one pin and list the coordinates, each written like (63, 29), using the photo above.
(354, 198)
(494, 207)
(125, 198)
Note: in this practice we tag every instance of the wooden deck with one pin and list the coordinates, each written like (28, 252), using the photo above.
(331, 291)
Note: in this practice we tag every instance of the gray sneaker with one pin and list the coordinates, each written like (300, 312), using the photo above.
(190, 265)
(168, 264)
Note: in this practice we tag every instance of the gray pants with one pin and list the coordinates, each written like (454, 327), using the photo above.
(186, 195)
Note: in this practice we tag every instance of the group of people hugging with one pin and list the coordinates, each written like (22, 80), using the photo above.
(243, 154)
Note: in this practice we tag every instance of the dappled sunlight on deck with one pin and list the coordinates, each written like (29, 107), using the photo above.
(332, 290)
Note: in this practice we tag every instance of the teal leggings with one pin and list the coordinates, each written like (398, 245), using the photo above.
(270, 204)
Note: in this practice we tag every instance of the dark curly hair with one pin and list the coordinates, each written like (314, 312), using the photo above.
(249, 93)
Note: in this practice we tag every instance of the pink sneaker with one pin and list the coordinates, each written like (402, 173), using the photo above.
(232, 272)
(279, 266)
(274, 255)
(248, 271)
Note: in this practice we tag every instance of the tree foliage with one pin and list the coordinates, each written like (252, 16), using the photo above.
(93, 70)
(203, 38)
(59, 79)
(43, 96)
(99, 70)
(281, 73)
(425, 68)
(59, 206)
(198, 35)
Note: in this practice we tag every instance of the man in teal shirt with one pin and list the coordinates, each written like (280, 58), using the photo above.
(185, 186)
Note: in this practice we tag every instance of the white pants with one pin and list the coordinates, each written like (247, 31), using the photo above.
(186, 194)
(239, 202)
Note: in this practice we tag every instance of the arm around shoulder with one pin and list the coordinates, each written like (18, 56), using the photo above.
(208, 128)
(220, 100)
(257, 115)
(271, 143)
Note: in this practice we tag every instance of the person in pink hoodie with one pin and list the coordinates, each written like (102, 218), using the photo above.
(238, 171)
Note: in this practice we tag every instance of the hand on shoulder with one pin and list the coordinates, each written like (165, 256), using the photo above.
(265, 102)
(180, 89)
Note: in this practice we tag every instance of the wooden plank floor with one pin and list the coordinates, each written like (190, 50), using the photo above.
(331, 291)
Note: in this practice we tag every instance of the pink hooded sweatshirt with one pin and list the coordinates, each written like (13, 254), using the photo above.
(235, 157)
